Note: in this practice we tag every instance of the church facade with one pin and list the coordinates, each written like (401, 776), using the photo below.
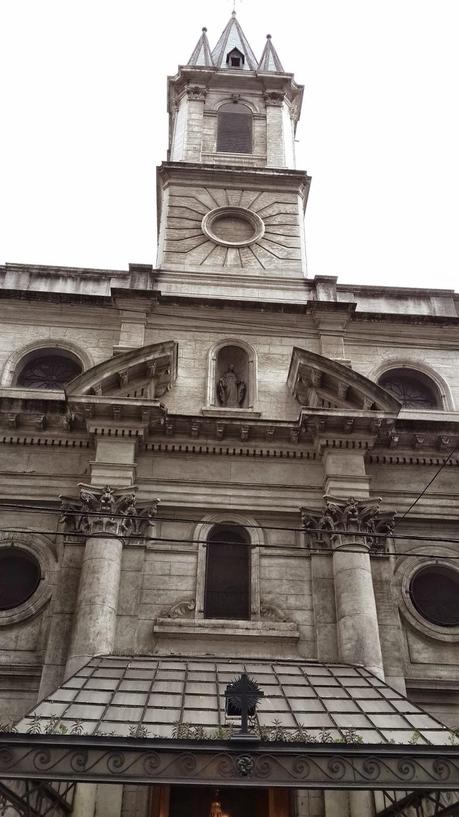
(219, 470)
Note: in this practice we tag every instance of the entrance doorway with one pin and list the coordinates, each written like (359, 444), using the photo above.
(209, 801)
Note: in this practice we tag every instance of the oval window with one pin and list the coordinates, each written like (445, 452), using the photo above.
(20, 576)
(434, 591)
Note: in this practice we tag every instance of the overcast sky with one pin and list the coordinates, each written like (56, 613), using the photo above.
(84, 123)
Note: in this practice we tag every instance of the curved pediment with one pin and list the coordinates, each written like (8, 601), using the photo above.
(318, 382)
(146, 373)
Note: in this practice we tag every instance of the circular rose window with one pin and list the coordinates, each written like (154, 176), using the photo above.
(434, 591)
(233, 226)
(20, 576)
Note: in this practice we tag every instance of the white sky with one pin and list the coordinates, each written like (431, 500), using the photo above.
(83, 125)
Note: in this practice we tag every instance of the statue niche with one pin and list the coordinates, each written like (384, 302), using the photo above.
(232, 377)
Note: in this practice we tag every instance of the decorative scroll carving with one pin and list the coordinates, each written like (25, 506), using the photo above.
(182, 609)
(245, 765)
(348, 520)
(58, 757)
(107, 511)
(269, 612)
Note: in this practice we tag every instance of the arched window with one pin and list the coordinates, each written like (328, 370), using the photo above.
(412, 388)
(234, 132)
(227, 584)
(48, 369)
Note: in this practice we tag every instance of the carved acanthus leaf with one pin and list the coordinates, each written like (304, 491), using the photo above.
(110, 511)
(361, 519)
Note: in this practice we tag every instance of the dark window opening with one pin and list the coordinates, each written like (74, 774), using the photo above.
(234, 130)
(19, 577)
(235, 58)
(227, 587)
(48, 371)
(434, 592)
(413, 389)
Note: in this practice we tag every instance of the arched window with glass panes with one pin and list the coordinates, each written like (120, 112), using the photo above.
(48, 369)
(412, 388)
(234, 128)
(227, 583)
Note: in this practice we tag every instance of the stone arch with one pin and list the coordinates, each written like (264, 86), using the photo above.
(245, 364)
(20, 357)
(255, 541)
(242, 101)
(427, 374)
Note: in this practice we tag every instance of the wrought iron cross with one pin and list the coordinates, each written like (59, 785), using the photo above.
(243, 694)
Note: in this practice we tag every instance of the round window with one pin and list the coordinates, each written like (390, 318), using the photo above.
(20, 576)
(434, 591)
(233, 226)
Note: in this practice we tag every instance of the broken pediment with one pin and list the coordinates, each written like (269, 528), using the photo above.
(320, 383)
(146, 373)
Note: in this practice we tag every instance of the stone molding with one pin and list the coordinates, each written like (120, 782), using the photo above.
(106, 512)
(41, 548)
(344, 521)
(427, 555)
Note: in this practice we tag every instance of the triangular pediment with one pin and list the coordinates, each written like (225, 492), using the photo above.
(146, 373)
(321, 383)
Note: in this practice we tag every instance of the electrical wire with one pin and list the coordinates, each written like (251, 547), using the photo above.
(323, 550)
(60, 511)
(445, 462)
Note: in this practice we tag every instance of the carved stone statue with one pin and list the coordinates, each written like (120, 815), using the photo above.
(230, 390)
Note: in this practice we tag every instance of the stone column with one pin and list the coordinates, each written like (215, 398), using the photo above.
(104, 516)
(351, 528)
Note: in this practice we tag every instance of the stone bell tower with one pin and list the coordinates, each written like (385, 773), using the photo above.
(230, 201)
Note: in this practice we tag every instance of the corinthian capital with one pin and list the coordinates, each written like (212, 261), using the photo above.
(108, 511)
(350, 519)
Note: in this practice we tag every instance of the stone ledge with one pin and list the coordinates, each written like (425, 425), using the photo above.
(230, 413)
(209, 628)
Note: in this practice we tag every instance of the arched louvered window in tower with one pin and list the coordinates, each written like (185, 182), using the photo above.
(234, 128)
(227, 588)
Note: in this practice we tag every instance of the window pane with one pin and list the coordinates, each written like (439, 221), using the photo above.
(228, 575)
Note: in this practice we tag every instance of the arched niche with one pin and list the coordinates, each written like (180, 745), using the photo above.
(232, 377)
(246, 533)
(49, 347)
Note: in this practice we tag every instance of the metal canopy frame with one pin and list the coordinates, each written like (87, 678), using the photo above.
(233, 762)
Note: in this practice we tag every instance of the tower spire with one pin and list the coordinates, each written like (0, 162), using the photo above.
(201, 53)
(269, 59)
(232, 38)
